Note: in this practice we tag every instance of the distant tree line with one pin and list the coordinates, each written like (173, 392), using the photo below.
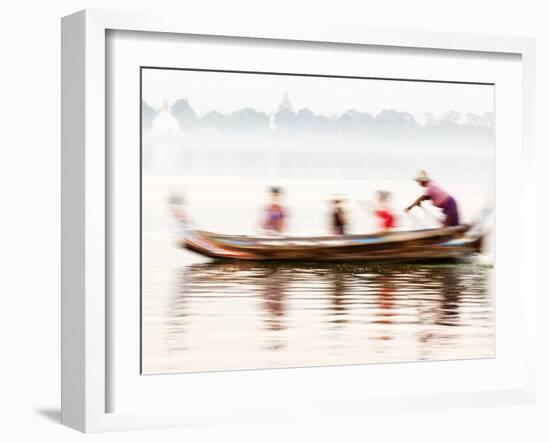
(351, 122)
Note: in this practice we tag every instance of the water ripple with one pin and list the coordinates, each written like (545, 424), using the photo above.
(255, 315)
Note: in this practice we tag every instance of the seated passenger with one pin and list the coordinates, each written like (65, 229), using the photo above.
(338, 218)
(383, 213)
(275, 214)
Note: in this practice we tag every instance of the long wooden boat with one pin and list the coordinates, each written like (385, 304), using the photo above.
(396, 246)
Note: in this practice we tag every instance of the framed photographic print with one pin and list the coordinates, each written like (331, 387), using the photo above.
(301, 283)
(264, 223)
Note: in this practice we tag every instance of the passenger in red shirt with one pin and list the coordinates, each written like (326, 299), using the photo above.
(383, 213)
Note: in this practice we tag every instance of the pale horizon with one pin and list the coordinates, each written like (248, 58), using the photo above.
(229, 92)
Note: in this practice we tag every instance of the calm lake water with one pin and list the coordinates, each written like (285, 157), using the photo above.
(200, 315)
(234, 315)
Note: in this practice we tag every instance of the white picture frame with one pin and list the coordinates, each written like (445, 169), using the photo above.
(86, 353)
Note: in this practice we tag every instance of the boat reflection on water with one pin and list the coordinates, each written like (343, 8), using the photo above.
(239, 315)
(385, 306)
(337, 289)
(273, 295)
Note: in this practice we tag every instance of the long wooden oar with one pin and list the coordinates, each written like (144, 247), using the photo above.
(433, 216)
(415, 221)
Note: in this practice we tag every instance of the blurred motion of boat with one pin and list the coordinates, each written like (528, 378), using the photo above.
(440, 244)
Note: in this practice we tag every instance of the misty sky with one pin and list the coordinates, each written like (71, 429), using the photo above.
(228, 92)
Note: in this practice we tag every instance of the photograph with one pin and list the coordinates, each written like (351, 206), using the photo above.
(305, 220)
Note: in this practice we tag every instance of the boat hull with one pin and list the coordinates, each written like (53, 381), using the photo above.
(412, 246)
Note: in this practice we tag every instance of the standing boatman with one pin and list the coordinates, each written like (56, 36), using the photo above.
(439, 198)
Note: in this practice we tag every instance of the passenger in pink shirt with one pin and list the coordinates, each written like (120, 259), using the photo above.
(439, 198)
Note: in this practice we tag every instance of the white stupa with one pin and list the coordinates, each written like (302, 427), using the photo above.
(165, 123)
(285, 103)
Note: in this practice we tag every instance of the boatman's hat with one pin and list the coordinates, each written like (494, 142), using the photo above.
(422, 177)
